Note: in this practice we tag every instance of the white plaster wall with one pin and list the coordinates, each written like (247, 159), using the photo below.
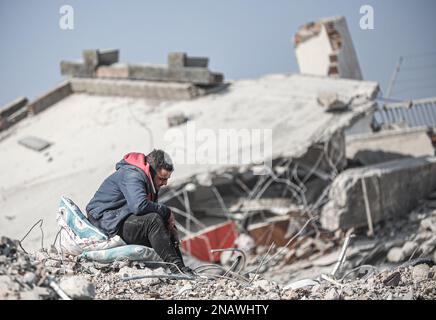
(313, 54)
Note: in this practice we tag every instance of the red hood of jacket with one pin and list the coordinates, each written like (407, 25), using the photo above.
(138, 160)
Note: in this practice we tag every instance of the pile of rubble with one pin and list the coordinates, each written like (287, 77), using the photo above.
(113, 285)
(404, 283)
(48, 275)
(327, 265)
(33, 277)
(396, 262)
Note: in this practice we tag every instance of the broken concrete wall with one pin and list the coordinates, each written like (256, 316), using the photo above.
(373, 148)
(186, 74)
(48, 99)
(138, 89)
(13, 112)
(392, 188)
(325, 48)
(181, 68)
(92, 59)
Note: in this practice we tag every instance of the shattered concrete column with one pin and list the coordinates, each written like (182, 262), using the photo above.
(325, 48)
(392, 188)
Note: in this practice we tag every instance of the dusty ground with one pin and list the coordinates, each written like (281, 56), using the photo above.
(25, 277)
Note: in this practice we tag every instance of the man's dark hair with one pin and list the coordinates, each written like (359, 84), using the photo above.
(159, 159)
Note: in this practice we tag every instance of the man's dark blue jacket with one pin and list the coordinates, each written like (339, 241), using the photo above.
(129, 190)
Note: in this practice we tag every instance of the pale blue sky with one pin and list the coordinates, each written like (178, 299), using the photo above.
(242, 38)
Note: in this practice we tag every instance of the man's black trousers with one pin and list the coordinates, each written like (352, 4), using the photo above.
(151, 231)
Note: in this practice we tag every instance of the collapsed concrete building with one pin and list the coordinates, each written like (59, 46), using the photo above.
(74, 134)
(394, 148)
(365, 196)
(89, 127)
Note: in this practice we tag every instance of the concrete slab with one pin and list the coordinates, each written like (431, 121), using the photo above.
(374, 148)
(34, 143)
(394, 188)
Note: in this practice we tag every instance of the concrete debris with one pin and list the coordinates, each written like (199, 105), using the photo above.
(13, 112)
(301, 284)
(395, 255)
(332, 102)
(332, 294)
(21, 275)
(176, 118)
(394, 188)
(420, 272)
(325, 48)
(181, 68)
(77, 287)
(34, 143)
(400, 254)
(400, 287)
(372, 148)
(392, 280)
(429, 224)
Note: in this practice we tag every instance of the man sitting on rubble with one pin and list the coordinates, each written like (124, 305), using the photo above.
(126, 205)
